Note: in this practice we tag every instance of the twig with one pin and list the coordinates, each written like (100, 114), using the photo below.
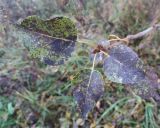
(143, 33)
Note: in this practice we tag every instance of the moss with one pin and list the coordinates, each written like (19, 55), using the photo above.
(60, 27)
(32, 22)
(38, 52)
(63, 27)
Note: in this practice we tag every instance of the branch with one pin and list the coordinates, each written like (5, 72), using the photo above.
(143, 33)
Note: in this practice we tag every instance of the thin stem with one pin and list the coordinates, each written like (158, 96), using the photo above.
(92, 69)
(105, 53)
(119, 39)
(113, 37)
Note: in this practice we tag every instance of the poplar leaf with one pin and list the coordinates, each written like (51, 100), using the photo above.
(87, 96)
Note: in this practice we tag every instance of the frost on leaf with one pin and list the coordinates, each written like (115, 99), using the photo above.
(87, 96)
(123, 65)
(147, 89)
(53, 40)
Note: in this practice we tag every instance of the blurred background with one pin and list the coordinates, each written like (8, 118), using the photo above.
(34, 95)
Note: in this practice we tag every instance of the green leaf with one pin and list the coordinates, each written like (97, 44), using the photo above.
(10, 108)
(1, 105)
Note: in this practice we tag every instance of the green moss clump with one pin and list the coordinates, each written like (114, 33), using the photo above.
(60, 27)
(32, 22)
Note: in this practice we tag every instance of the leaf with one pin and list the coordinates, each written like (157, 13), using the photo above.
(10, 108)
(147, 89)
(87, 96)
(123, 65)
(41, 43)
(54, 39)
(8, 86)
